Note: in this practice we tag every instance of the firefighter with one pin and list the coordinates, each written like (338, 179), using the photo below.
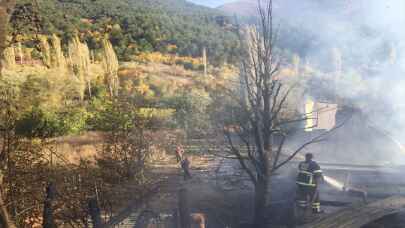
(308, 179)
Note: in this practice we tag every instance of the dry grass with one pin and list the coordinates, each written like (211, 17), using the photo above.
(82, 147)
(87, 146)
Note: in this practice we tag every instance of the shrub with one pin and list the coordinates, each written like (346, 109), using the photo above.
(74, 121)
(38, 123)
(188, 66)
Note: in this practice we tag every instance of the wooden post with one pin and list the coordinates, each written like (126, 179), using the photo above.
(48, 210)
(95, 213)
(184, 209)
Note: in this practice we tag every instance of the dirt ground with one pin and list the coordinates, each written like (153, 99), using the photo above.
(221, 191)
(218, 188)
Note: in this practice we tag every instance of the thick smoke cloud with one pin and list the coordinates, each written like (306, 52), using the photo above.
(359, 45)
(367, 37)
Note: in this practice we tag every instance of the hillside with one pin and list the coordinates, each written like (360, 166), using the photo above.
(314, 29)
(211, 3)
(134, 26)
(249, 7)
(241, 8)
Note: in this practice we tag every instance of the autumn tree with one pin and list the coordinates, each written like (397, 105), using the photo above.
(79, 57)
(9, 57)
(59, 59)
(6, 8)
(110, 65)
(45, 51)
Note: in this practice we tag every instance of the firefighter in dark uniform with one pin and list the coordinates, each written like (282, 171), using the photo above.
(308, 179)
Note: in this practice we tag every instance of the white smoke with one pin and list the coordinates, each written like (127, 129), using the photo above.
(370, 38)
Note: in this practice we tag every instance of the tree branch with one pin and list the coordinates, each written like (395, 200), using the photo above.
(240, 158)
(316, 139)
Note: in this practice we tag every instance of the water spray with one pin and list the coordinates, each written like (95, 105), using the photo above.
(334, 183)
(345, 188)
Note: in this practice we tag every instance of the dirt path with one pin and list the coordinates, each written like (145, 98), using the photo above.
(219, 189)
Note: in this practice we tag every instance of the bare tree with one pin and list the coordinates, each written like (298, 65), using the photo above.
(262, 111)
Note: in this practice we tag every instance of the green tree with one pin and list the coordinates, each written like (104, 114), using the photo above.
(127, 143)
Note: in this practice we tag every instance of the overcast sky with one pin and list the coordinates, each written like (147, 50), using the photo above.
(211, 3)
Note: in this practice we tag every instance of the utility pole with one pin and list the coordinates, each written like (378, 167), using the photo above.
(204, 55)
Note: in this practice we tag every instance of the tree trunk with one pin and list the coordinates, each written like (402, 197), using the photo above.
(5, 221)
(260, 199)
(3, 34)
(89, 88)
(48, 210)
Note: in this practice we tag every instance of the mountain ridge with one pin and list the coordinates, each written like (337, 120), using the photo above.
(211, 3)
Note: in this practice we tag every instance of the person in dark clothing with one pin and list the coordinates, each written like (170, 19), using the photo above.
(185, 165)
(309, 177)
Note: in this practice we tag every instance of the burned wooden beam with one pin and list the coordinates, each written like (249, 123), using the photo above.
(48, 206)
(360, 215)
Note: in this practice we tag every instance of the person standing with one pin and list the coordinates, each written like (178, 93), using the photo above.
(185, 165)
(179, 153)
(308, 179)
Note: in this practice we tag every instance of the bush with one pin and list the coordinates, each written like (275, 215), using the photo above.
(38, 123)
(74, 121)
(188, 66)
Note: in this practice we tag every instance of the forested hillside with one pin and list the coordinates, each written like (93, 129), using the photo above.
(134, 26)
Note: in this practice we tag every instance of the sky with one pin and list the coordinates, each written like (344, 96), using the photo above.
(211, 3)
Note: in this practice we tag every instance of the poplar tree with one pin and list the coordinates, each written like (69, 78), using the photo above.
(45, 51)
(9, 57)
(59, 60)
(79, 57)
(20, 53)
(110, 65)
